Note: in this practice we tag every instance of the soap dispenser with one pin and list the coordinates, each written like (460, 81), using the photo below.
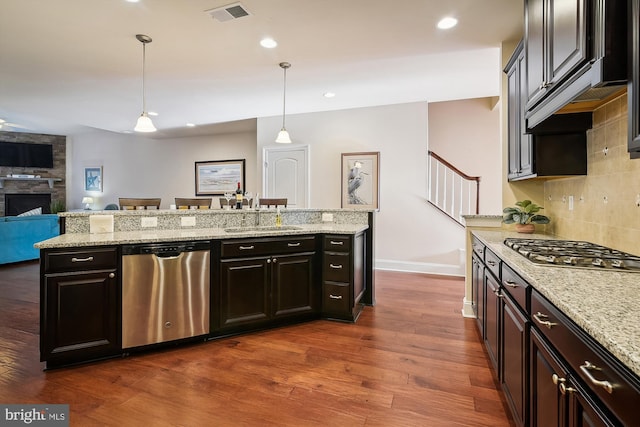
(278, 218)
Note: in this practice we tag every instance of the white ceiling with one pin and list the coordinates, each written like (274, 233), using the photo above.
(67, 66)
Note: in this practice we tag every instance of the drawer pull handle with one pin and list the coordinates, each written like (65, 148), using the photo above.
(335, 296)
(587, 368)
(337, 267)
(87, 259)
(293, 245)
(246, 248)
(333, 242)
(498, 294)
(510, 284)
(539, 316)
(491, 263)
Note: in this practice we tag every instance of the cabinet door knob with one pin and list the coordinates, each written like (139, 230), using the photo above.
(556, 379)
(112, 275)
(269, 261)
(564, 389)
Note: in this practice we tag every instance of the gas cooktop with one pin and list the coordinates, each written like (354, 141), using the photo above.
(570, 253)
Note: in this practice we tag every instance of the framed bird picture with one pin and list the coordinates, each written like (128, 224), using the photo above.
(360, 180)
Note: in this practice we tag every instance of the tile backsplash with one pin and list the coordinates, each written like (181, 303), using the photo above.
(605, 202)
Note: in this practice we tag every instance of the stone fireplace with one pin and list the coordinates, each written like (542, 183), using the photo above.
(24, 195)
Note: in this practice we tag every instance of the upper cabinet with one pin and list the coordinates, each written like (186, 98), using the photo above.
(575, 52)
(557, 147)
(556, 33)
(633, 90)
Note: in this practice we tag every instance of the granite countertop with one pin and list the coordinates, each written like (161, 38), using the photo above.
(149, 236)
(602, 303)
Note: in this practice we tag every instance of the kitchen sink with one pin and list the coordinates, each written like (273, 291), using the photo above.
(261, 229)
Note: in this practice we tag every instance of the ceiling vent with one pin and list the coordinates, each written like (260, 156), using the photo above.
(228, 12)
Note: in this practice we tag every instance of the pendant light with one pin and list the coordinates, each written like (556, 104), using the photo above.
(144, 122)
(283, 135)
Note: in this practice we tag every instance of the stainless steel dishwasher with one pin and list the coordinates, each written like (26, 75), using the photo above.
(165, 292)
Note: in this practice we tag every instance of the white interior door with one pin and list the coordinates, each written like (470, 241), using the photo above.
(286, 174)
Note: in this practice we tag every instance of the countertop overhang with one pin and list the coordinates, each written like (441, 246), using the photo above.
(150, 236)
(603, 303)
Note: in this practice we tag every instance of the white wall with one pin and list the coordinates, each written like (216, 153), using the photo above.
(467, 133)
(135, 166)
(410, 234)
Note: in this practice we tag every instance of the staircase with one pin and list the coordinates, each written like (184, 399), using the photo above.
(451, 191)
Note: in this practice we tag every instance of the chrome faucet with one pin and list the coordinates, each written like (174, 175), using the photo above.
(258, 218)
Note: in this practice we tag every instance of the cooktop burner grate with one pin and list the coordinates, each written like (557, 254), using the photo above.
(571, 253)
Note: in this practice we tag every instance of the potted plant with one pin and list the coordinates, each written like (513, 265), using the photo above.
(57, 206)
(524, 215)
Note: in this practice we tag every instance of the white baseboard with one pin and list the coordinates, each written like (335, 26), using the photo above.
(467, 308)
(420, 267)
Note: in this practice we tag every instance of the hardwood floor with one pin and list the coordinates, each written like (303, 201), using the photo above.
(412, 360)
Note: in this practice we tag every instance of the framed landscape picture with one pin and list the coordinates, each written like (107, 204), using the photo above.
(216, 177)
(360, 180)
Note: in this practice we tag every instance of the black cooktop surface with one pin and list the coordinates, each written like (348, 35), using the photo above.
(572, 253)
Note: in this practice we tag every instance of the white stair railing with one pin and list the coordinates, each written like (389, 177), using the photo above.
(452, 191)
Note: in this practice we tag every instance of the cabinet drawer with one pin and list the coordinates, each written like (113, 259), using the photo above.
(337, 243)
(336, 267)
(335, 298)
(492, 262)
(267, 246)
(516, 286)
(87, 259)
(587, 359)
(478, 247)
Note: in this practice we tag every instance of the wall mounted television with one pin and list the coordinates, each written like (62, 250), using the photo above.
(18, 154)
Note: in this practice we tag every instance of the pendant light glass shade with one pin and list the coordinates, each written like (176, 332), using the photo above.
(283, 135)
(144, 123)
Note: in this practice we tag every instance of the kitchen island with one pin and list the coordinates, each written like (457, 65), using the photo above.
(120, 282)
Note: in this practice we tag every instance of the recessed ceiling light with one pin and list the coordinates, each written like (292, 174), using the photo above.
(269, 43)
(448, 22)
(133, 1)
(152, 113)
(190, 125)
(329, 94)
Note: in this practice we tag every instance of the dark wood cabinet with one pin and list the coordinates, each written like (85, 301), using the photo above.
(263, 281)
(492, 318)
(575, 51)
(477, 290)
(514, 344)
(519, 141)
(557, 147)
(633, 86)
(80, 305)
(556, 32)
(551, 371)
(343, 276)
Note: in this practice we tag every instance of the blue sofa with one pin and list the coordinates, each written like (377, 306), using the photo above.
(18, 234)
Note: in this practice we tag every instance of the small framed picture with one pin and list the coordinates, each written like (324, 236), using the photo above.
(217, 177)
(360, 180)
(93, 179)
